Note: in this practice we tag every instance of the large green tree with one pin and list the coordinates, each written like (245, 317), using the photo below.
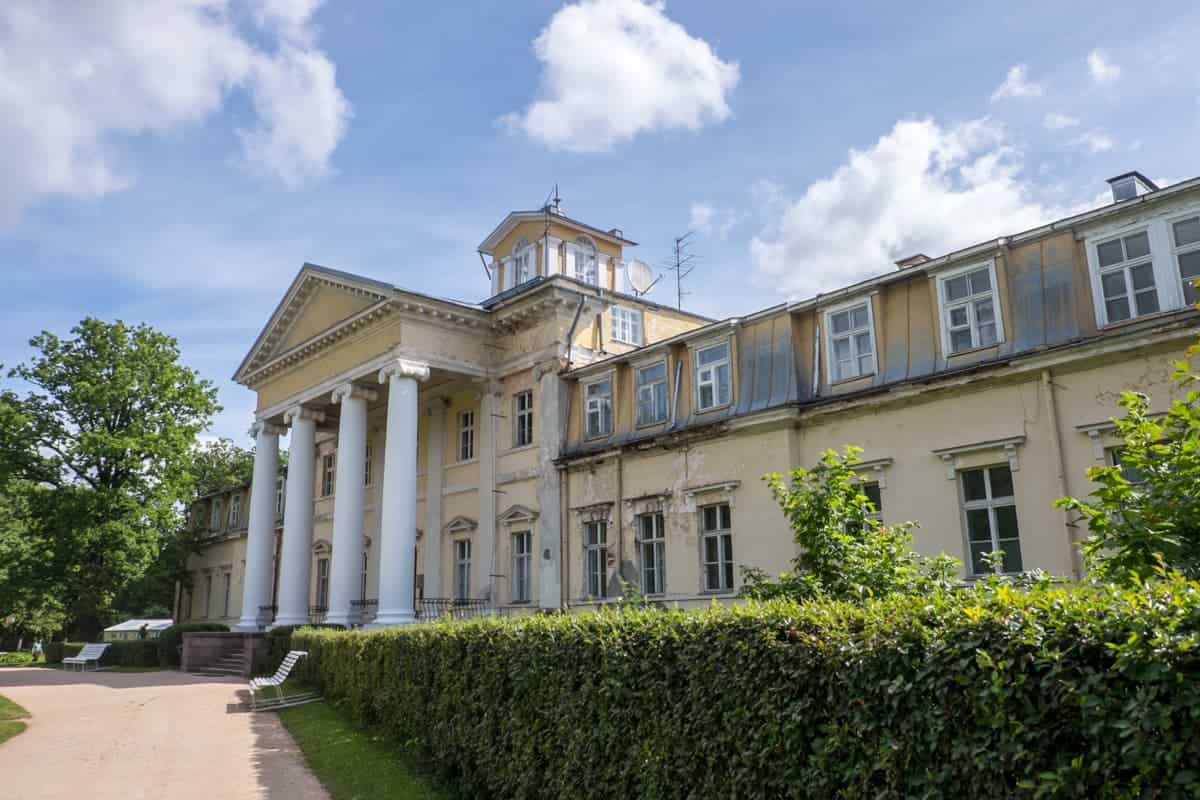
(100, 449)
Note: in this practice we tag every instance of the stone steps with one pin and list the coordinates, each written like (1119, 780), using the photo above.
(229, 665)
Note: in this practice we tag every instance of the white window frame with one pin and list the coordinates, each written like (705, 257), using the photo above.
(523, 418)
(522, 263)
(1179, 250)
(588, 408)
(640, 388)
(595, 560)
(462, 569)
(1167, 280)
(944, 307)
(465, 441)
(235, 509)
(725, 562)
(216, 514)
(652, 553)
(1125, 268)
(831, 362)
(990, 503)
(627, 325)
(328, 474)
(322, 582)
(580, 263)
(695, 351)
(522, 570)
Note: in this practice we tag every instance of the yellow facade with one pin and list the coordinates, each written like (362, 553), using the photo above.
(996, 357)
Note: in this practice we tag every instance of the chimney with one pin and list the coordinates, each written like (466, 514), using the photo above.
(1130, 185)
(913, 261)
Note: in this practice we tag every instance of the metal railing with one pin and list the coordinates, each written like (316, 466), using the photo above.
(431, 609)
(316, 614)
(364, 610)
(266, 614)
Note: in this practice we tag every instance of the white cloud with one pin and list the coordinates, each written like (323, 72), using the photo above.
(79, 80)
(617, 68)
(920, 188)
(1017, 84)
(1054, 121)
(1101, 68)
(701, 218)
(1094, 141)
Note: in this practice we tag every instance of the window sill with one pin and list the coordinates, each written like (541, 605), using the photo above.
(730, 593)
(615, 340)
(597, 437)
(974, 350)
(656, 424)
(1125, 323)
(466, 463)
(711, 409)
(521, 448)
(843, 381)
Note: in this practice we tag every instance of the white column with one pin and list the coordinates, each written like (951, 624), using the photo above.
(398, 505)
(485, 554)
(296, 556)
(346, 572)
(260, 536)
(435, 457)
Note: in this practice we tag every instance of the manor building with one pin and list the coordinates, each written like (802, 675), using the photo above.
(566, 436)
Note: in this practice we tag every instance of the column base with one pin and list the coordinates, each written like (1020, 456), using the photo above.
(248, 626)
(347, 620)
(388, 619)
(281, 621)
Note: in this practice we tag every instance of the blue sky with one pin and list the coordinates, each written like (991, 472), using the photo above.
(176, 166)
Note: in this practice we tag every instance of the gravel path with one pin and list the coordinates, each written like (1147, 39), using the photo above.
(155, 735)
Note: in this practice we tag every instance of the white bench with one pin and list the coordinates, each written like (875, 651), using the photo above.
(89, 653)
(275, 680)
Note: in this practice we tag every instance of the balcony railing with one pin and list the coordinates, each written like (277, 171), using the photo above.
(266, 614)
(316, 614)
(364, 610)
(431, 609)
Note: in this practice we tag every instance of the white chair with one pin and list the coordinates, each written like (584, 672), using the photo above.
(89, 653)
(275, 680)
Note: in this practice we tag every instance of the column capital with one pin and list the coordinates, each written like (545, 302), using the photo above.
(351, 390)
(302, 412)
(268, 428)
(403, 368)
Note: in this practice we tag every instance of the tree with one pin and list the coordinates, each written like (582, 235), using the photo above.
(220, 466)
(100, 450)
(845, 552)
(1145, 514)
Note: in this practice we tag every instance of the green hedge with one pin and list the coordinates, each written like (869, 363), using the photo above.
(279, 642)
(1069, 692)
(57, 651)
(171, 639)
(17, 658)
(132, 653)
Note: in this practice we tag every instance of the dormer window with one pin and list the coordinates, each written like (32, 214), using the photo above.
(583, 260)
(851, 341)
(522, 264)
(1185, 235)
(598, 408)
(969, 308)
(1127, 277)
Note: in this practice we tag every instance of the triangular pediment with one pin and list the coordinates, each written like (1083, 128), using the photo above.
(461, 524)
(319, 300)
(518, 515)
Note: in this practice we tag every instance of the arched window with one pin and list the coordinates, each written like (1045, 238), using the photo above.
(584, 250)
(522, 262)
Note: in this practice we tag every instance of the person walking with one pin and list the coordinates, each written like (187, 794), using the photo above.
(142, 630)
(37, 649)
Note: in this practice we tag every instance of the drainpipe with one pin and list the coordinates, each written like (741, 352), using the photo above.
(571, 332)
(564, 556)
(816, 365)
(1060, 476)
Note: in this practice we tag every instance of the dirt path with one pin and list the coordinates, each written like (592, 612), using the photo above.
(153, 735)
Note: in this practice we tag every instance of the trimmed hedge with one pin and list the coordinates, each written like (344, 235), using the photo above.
(57, 651)
(1077, 692)
(17, 658)
(171, 639)
(279, 642)
(131, 653)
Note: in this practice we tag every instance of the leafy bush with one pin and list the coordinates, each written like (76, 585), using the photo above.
(171, 639)
(19, 658)
(135, 653)
(279, 642)
(57, 651)
(844, 552)
(1075, 692)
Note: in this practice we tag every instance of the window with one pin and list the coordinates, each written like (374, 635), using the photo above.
(595, 559)
(522, 559)
(712, 376)
(228, 576)
(991, 517)
(208, 595)
(584, 255)
(187, 604)
(598, 407)
(214, 521)
(970, 314)
(522, 262)
(1186, 235)
(327, 474)
(368, 467)
(280, 493)
(1128, 471)
(323, 583)
(872, 490)
(716, 542)
(653, 550)
(362, 584)
(627, 325)
(652, 394)
(235, 509)
(851, 345)
(1127, 277)
(466, 436)
(522, 418)
(462, 569)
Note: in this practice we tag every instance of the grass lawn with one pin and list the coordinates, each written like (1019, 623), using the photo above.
(351, 763)
(11, 719)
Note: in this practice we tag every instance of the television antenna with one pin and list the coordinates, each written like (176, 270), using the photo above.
(682, 265)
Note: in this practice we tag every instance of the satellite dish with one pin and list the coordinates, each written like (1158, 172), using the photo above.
(641, 276)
